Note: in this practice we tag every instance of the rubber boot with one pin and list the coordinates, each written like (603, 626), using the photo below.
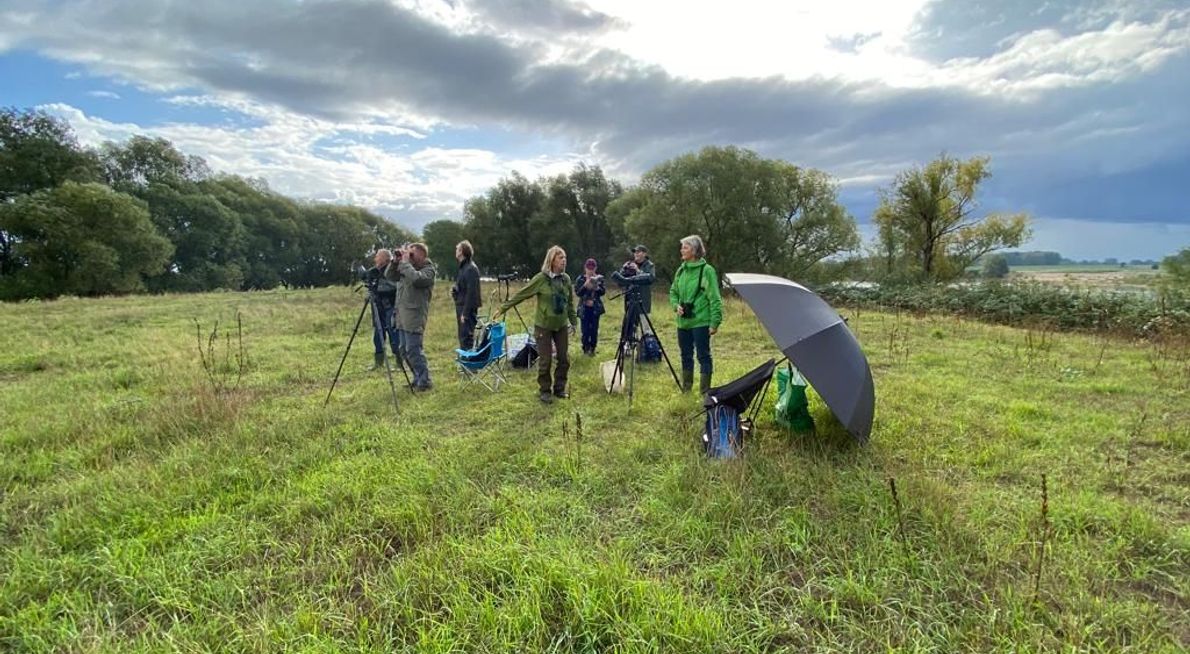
(704, 383)
(687, 380)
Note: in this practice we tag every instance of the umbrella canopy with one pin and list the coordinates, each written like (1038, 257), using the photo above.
(818, 342)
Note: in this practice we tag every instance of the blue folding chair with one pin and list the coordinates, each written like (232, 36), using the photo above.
(485, 364)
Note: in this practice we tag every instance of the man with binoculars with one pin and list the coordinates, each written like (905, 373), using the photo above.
(415, 274)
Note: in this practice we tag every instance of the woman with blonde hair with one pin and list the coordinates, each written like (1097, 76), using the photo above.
(694, 296)
(553, 323)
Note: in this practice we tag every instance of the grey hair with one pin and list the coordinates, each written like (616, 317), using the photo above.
(695, 243)
(385, 251)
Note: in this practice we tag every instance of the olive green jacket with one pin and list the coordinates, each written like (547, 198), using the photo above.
(555, 301)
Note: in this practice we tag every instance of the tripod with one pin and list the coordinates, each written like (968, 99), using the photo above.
(631, 332)
(506, 280)
(376, 324)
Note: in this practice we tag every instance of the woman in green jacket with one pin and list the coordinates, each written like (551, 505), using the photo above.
(694, 296)
(554, 322)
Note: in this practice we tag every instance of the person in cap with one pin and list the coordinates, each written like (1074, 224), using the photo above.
(589, 288)
(636, 278)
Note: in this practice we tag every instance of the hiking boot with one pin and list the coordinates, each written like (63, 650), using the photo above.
(704, 383)
(546, 398)
(687, 380)
(377, 362)
(562, 394)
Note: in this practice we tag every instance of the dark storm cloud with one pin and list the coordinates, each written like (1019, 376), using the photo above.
(346, 59)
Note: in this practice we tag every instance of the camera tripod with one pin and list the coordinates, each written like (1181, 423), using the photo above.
(369, 301)
(506, 280)
(631, 333)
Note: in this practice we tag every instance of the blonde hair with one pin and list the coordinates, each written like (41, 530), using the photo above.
(551, 254)
(696, 245)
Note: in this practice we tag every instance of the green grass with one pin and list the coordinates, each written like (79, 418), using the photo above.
(142, 511)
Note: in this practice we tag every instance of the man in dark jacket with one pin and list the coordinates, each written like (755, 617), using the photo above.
(384, 300)
(466, 294)
(416, 273)
(636, 278)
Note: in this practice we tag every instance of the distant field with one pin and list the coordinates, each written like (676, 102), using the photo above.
(141, 509)
(1138, 278)
(1094, 268)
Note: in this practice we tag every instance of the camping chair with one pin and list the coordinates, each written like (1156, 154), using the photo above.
(731, 410)
(485, 364)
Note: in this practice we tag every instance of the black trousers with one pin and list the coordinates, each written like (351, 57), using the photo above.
(466, 327)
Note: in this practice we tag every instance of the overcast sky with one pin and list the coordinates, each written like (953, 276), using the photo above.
(409, 107)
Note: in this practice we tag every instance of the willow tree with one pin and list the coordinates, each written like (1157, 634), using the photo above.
(929, 223)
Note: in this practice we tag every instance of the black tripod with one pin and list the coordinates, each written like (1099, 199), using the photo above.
(506, 280)
(631, 333)
(376, 324)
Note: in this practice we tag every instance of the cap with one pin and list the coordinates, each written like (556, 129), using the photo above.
(591, 263)
(640, 248)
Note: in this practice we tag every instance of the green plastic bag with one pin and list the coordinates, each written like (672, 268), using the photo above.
(793, 409)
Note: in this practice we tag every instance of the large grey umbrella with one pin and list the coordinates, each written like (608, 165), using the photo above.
(818, 342)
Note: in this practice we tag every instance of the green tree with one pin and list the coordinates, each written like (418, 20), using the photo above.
(754, 214)
(140, 161)
(574, 215)
(927, 227)
(209, 239)
(37, 151)
(995, 266)
(80, 239)
(273, 229)
(441, 236)
(1177, 269)
(337, 238)
(499, 224)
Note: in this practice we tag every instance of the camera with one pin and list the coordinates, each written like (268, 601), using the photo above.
(687, 309)
(369, 277)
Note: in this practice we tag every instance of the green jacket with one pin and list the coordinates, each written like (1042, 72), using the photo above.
(555, 301)
(708, 304)
(415, 290)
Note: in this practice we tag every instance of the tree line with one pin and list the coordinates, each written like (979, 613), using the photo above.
(143, 216)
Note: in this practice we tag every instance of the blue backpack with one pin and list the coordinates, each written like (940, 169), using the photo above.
(724, 435)
(650, 349)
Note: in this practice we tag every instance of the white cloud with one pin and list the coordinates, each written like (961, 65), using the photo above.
(1045, 60)
(798, 41)
(286, 151)
(106, 95)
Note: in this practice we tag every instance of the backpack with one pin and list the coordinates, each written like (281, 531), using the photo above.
(650, 349)
(725, 432)
(522, 351)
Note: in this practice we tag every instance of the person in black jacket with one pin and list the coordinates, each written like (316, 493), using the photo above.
(636, 278)
(589, 288)
(466, 294)
(384, 303)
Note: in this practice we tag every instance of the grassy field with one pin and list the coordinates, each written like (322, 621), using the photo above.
(143, 509)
